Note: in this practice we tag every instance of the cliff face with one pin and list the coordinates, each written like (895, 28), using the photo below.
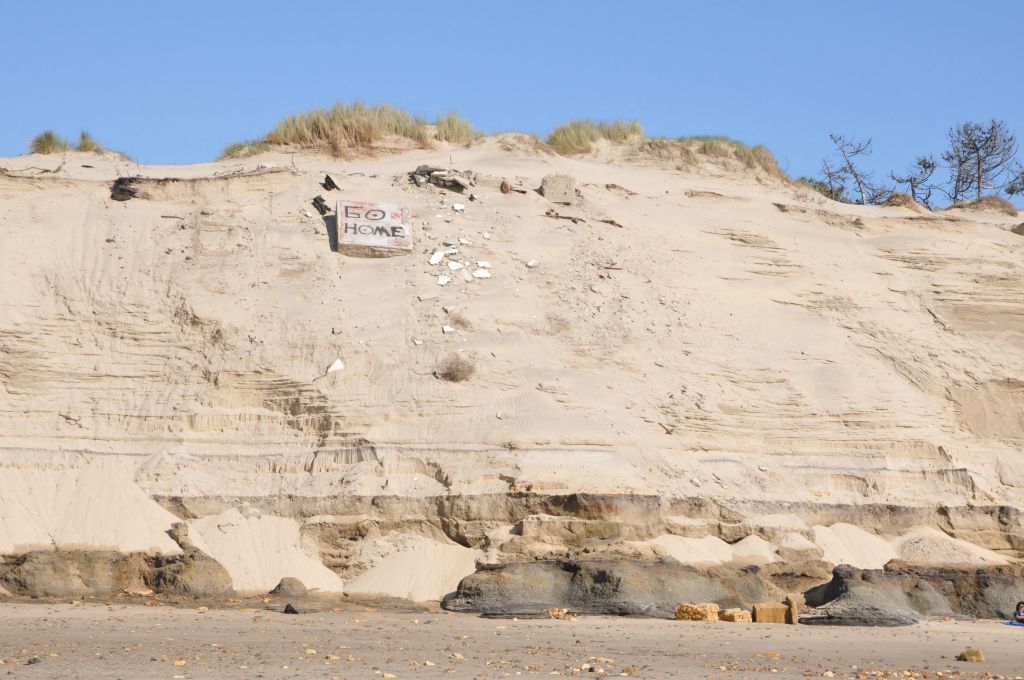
(696, 357)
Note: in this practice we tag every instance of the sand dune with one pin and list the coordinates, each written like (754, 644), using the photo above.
(692, 353)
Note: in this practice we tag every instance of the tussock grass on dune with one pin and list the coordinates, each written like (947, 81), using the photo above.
(989, 203)
(344, 127)
(48, 142)
(455, 129)
(579, 136)
(87, 143)
(899, 199)
(245, 149)
(341, 129)
(691, 150)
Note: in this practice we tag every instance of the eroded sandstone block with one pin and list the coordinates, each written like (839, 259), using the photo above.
(691, 611)
(733, 615)
(770, 612)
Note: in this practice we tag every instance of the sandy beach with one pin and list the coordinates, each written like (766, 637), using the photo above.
(94, 640)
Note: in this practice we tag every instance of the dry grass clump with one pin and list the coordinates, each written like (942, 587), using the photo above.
(48, 142)
(341, 129)
(86, 142)
(752, 157)
(898, 199)
(579, 136)
(453, 128)
(245, 149)
(988, 203)
(344, 127)
(689, 151)
(456, 368)
(460, 321)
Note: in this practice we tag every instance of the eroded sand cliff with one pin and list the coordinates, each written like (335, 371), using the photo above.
(707, 365)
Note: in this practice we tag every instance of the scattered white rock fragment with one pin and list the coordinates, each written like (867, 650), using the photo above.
(487, 235)
(481, 274)
(444, 280)
(446, 329)
(465, 242)
(483, 265)
(423, 297)
(451, 251)
(417, 341)
(466, 276)
(448, 309)
(532, 263)
(337, 365)
(308, 214)
(455, 266)
(436, 257)
(459, 207)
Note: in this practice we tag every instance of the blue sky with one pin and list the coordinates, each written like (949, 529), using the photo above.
(175, 82)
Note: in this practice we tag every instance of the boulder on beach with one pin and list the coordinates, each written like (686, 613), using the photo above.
(289, 587)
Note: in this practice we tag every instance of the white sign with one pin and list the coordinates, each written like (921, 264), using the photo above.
(366, 228)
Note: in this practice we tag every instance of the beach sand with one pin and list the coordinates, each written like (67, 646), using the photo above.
(94, 640)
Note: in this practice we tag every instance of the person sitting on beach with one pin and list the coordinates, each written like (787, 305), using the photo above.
(1018, 614)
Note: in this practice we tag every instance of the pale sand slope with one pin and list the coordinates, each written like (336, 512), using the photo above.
(808, 358)
(129, 641)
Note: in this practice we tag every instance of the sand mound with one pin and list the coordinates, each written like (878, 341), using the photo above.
(753, 550)
(91, 503)
(260, 550)
(709, 550)
(925, 546)
(419, 569)
(846, 544)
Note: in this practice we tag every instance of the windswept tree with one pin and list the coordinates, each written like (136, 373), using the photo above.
(918, 179)
(980, 158)
(1015, 187)
(844, 169)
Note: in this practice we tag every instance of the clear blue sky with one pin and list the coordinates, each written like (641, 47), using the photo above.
(174, 82)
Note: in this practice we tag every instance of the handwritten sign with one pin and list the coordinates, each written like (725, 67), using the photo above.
(373, 229)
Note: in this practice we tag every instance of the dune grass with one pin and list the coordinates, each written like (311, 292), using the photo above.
(579, 136)
(756, 157)
(86, 142)
(988, 203)
(48, 142)
(345, 127)
(245, 149)
(341, 130)
(689, 151)
(455, 129)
